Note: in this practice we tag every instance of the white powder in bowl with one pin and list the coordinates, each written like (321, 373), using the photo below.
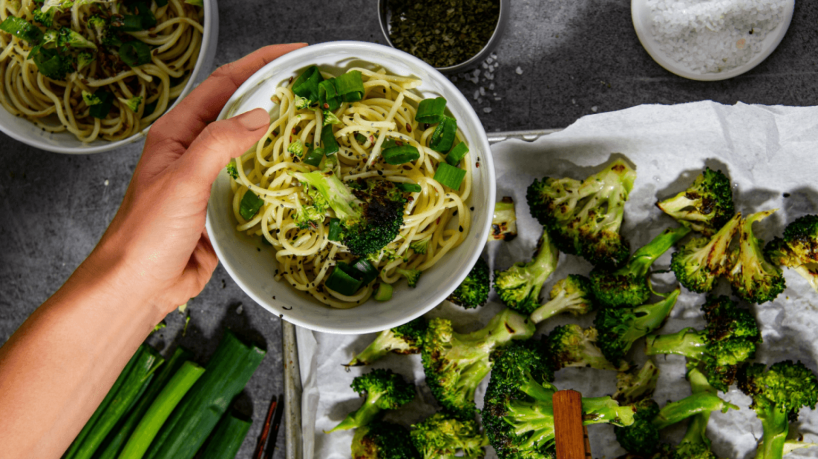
(712, 36)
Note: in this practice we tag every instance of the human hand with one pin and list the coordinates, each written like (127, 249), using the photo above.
(157, 243)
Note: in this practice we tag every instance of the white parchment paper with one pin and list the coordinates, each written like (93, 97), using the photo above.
(771, 155)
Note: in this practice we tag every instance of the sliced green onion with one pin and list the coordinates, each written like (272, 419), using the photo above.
(364, 271)
(149, 109)
(330, 118)
(135, 53)
(449, 176)
(328, 142)
(350, 86)
(22, 29)
(161, 3)
(306, 85)
(400, 155)
(328, 95)
(389, 143)
(314, 157)
(457, 153)
(103, 106)
(142, 20)
(431, 111)
(360, 138)
(443, 137)
(50, 63)
(384, 292)
(250, 204)
(334, 230)
(408, 187)
(342, 282)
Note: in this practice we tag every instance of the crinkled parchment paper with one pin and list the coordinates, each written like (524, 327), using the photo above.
(771, 154)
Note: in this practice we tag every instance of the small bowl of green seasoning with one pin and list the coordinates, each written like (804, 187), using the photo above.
(450, 35)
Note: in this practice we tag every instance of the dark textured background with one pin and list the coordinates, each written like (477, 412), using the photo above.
(577, 57)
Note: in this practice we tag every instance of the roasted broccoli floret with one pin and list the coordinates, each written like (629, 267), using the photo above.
(404, 339)
(383, 440)
(778, 394)
(695, 444)
(798, 250)
(572, 295)
(518, 412)
(636, 384)
(420, 246)
(45, 15)
(384, 390)
(456, 363)
(519, 286)
(619, 327)
(583, 217)
(474, 290)
(571, 346)
(441, 437)
(701, 261)
(731, 337)
(629, 286)
(104, 33)
(754, 279)
(706, 206)
(642, 437)
(412, 275)
(504, 221)
(371, 215)
(308, 216)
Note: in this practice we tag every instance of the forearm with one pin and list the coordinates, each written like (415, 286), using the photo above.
(57, 368)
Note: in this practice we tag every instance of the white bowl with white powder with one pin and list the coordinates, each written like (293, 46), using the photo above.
(710, 40)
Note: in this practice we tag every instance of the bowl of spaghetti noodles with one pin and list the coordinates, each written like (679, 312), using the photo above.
(85, 76)
(369, 198)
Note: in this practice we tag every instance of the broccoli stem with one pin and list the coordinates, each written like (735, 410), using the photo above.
(561, 303)
(599, 410)
(776, 427)
(543, 264)
(362, 416)
(502, 328)
(688, 342)
(697, 428)
(471, 377)
(642, 259)
(678, 411)
(649, 317)
(383, 344)
(536, 417)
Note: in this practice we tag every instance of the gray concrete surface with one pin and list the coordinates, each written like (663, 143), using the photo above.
(577, 58)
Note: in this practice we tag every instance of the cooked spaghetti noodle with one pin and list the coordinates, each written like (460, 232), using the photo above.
(131, 93)
(436, 216)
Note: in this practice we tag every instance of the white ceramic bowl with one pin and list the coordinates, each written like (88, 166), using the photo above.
(64, 142)
(253, 270)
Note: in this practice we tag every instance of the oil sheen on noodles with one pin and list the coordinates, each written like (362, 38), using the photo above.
(387, 110)
(58, 105)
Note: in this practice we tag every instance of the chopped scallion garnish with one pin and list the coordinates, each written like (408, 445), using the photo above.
(408, 187)
(431, 111)
(400, 155)
(457, 153)
(444, 134)
(384, 292)
(306, 85)
(314, 157)
(449, 176)
(341, 281)
(250, 205)
(334, 230)
(327, 95)
(328, 142)
(135, 53)
(22, 29)
(101, 103)
(350, 86)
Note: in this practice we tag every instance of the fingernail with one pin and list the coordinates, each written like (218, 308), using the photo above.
(255, 119)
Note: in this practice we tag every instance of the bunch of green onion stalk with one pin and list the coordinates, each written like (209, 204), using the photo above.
(161, 409)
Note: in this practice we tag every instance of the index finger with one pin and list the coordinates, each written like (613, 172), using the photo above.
(187, 120)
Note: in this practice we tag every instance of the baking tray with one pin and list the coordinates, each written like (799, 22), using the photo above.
(292, 372)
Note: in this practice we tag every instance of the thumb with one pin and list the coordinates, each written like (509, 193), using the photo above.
(221, 141)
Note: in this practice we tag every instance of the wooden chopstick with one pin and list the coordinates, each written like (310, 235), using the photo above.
(271, 442)
(265, 431)
(570, 435)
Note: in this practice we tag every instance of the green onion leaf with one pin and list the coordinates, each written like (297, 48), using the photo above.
(328, 142)
(384, 292)
(328, 95)
(250, 204)
(22, 29)
(306, 85)
(444, 134)
(342, 282)
(449, 176)
(408, 187)
(142, 20)
(104, 101)
(457, 153)
(149, 109)
(350, 86)
(360, 138)
(161, 3)
(135, 53)
(431, 111)
(314, 157)
(400, 155)
(51, 63)
(364, 271)
(334, 230)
